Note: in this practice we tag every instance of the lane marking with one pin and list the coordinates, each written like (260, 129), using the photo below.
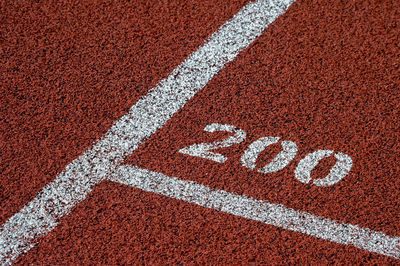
(21, 232)
(268, 213)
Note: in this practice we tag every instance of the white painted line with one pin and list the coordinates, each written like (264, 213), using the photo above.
(268, 213)
(71, 186)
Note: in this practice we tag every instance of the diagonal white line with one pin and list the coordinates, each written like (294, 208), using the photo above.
(268, 213)
(74, 183)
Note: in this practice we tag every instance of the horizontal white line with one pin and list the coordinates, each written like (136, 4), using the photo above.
(268, 213)
(71, 186)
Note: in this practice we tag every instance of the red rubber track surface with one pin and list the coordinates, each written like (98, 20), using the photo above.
(71, 70)
(324, 75)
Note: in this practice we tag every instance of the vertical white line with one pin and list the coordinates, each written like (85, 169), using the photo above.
(268, 213)
(71, 186)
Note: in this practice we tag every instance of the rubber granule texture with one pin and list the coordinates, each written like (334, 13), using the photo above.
(324, 75)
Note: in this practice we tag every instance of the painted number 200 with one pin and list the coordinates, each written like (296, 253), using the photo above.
(289, 150)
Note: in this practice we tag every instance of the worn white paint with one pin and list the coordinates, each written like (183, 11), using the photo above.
(265, 212)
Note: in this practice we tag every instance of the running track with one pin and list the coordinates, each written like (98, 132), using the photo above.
(181, 132)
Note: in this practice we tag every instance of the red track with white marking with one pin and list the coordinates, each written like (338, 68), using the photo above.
(184, 132)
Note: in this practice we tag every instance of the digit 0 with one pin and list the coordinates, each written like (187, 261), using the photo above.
(250, 155)
(338, 171)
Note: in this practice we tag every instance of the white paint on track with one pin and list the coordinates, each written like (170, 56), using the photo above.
(341, 168)
(250, 155)
(268, 213)
(21, 232)
(202, 150)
